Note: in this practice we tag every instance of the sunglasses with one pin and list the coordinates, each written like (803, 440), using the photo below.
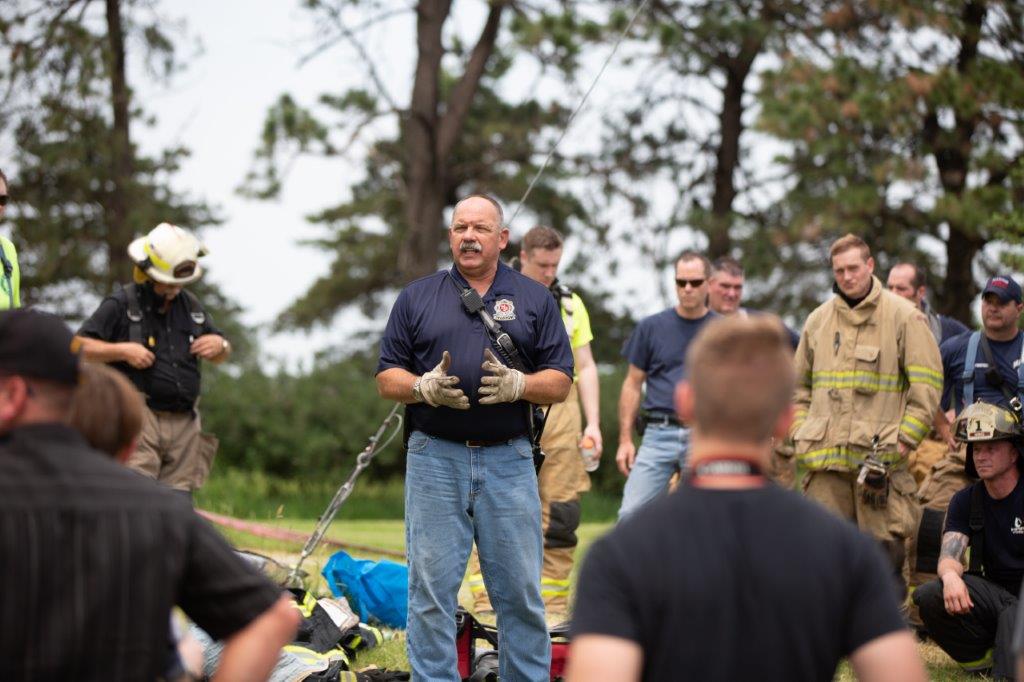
(694, 283)
(4, 198)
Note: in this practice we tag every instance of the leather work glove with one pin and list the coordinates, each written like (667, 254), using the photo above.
(506, 385)
(437, 388)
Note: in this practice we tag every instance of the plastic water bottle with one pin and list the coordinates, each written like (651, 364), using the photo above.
(591, 458)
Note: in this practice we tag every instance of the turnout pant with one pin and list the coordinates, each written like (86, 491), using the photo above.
(561, 481)
(944, 480)
(173, 449)
(980, 638)
(891, 525)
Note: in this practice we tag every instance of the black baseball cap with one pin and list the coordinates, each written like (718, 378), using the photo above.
(37, 345)
(1003, 286)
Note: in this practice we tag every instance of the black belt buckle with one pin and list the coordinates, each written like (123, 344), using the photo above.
(483, 443)
(661, 419)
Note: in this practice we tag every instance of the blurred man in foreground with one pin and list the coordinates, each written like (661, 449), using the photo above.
(93, 555)
(731, 578)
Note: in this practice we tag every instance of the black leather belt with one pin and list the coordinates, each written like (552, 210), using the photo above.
(661, 419)
(484, 443)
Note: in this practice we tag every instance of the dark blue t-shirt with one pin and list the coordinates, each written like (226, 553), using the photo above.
(1003, 560)
(951, 328)
(658, 347)
(794, 337)
(428, 319)
(954, 354)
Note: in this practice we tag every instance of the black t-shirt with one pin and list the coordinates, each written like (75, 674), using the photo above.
(93, 556)
(1003, 531)
(737, 585)
(171, 383)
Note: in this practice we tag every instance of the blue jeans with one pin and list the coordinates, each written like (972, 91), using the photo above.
(454, 495)
(662, 451)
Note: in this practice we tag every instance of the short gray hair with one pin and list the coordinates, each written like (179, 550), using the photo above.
(489, 199)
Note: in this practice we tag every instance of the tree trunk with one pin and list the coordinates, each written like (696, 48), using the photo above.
(727, 156)
(422, 214)
(959, 287)
(430, 135)
(952, 153)
(119, 231)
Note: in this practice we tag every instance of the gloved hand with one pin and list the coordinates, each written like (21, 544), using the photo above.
(505, 386)
(437, 388)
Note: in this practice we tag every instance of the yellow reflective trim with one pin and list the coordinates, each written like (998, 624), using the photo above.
(891, 383)
(924, 375)
(914, 427)
(155, 259)
(924, 371)
(555, 593)
(841, 457)
(306, 606)
(555, 582)
(980, 664)
(310, 656)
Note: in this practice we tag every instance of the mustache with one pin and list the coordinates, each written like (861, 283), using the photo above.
(470, 246)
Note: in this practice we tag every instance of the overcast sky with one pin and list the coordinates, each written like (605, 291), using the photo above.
(216, 108)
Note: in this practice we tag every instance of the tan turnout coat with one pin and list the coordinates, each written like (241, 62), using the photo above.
(872, 371)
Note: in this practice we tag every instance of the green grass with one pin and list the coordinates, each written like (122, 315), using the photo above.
(255, 495)
(389, 534)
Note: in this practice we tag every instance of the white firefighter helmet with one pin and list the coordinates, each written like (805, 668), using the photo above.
(168, 254)
(982, 422)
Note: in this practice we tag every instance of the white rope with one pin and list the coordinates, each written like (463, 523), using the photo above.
(579, 107)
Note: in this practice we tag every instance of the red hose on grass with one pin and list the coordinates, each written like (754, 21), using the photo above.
(272, 533)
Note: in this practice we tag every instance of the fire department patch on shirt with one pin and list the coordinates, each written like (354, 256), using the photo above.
(504, 310)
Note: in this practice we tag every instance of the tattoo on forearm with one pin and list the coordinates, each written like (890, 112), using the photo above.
(953, 546)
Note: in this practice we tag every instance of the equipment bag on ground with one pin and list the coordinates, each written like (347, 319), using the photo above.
(481, 665)
(376, 590)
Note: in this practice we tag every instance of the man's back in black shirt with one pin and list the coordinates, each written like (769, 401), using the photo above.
(737, 584)
(93, 556)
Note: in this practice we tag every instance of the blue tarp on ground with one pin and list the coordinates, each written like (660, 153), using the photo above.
(376, 590)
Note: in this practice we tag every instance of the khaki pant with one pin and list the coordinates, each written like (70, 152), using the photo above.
(945, 479)
(173, 449)
(561, 481)
(891, 525)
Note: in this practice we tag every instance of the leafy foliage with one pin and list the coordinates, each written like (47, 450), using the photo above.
(904, 125)
(496, 150)
(58, 85)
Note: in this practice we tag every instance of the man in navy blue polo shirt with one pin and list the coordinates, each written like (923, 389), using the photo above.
(656, 352)
(469, 471)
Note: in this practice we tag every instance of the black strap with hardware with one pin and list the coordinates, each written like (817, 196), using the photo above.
(993, 377)
(976, 522)
(535, 415)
